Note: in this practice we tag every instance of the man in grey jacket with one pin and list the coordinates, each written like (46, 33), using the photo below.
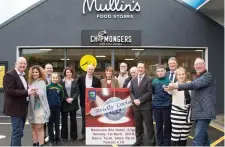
(203, 101)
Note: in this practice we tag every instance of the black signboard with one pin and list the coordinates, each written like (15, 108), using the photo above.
(111, 38)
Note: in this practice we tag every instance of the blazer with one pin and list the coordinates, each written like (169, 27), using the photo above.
(142, 92)
(168, 76)
(114, 83)
(74, 93)
(203, 99)
(81, 81)
(126, 82)
(15, 102)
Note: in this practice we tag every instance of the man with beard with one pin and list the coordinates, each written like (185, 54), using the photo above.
(123, 75)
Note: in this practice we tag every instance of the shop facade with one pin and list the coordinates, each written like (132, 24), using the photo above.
(113, 31)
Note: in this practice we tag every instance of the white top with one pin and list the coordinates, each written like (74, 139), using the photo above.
(121, 78)
(88, 82)
(21, 75)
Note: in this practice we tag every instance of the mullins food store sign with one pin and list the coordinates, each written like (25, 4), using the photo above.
(110, 38)
(112, 9)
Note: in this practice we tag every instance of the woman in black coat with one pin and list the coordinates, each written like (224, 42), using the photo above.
(69, 105)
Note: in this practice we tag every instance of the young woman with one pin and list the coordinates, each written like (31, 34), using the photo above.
(180, 112)
(38, 108)
(69, 105)
(109, 81)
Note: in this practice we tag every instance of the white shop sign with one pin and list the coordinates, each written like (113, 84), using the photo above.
(111, 7)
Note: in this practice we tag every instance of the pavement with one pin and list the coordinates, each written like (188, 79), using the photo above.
(215, 132)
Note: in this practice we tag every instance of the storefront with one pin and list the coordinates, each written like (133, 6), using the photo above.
(113, 31)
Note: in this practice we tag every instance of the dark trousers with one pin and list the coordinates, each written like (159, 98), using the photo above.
(179, 143)
(201, 135)
(73, 125)
(162, 118)
(83, 121)
(54, 119)
(17, 130)
(146, 116)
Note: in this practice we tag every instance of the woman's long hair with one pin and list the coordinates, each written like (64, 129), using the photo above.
(41, 74)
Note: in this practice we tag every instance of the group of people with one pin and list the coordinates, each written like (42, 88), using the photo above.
(169, 99)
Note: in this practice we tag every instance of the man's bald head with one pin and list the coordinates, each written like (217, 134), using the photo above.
(133, 71)
(199, 65)
(21, 64)
(90, 69)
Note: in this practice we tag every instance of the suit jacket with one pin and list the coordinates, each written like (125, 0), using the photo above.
(15, 103)
(142, 92)
(74, 93)
(82, 85)
(126, 82)
(114, 83)
(203, 99)
(168, 76)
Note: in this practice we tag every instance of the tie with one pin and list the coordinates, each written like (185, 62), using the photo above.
(140, 78)
(171, 76)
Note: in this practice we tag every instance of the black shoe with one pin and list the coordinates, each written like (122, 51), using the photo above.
(51, 143)
(137, 144)
(58, 143)
(82, 138)
(64, 140)
(73, 139)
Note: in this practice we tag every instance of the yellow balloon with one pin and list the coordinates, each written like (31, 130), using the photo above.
(87, 60)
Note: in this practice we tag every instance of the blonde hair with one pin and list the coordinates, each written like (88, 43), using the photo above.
(180, 69)
(41, 73)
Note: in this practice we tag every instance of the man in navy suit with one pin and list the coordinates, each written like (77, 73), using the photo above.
(172, 62)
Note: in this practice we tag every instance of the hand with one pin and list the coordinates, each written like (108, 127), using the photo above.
(69, 100)
(137, 102)
(32, 91)
(172, 86)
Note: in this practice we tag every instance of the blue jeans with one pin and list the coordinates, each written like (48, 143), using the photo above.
(17, 130)
(201, 135)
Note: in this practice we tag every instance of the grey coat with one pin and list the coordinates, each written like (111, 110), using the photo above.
(203, 100)
(142, 92)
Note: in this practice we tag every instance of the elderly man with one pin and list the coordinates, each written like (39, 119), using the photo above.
(86, 81)
(123, 75)
(172, 62)
(16, 99)
(133, 73)
(203, 102)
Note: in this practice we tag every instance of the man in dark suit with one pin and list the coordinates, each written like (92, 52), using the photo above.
(86, 81)
(141, 95)
(16, 99)
(172, 62)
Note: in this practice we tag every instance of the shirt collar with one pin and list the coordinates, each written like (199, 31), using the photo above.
(172, 72)
(19, 73)
(141, 76)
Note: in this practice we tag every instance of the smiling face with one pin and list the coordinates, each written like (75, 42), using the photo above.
(181, 75)
(54, 78)
(161, 72)
(35, 73)
(141, 68)
(90, 70)
(172, 64)
(21, 64)
(123, 68)
(69, 74)
(48, 69)
(199, 65)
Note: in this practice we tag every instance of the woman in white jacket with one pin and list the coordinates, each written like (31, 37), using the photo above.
(180, 112)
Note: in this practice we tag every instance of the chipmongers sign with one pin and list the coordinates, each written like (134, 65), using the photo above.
(104, 38)
(111, 7)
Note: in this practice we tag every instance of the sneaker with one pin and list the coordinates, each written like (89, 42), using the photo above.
(82, 138)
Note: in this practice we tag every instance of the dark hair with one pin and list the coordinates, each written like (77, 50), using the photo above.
(67, 68)
(160, 66)
(145, 65)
